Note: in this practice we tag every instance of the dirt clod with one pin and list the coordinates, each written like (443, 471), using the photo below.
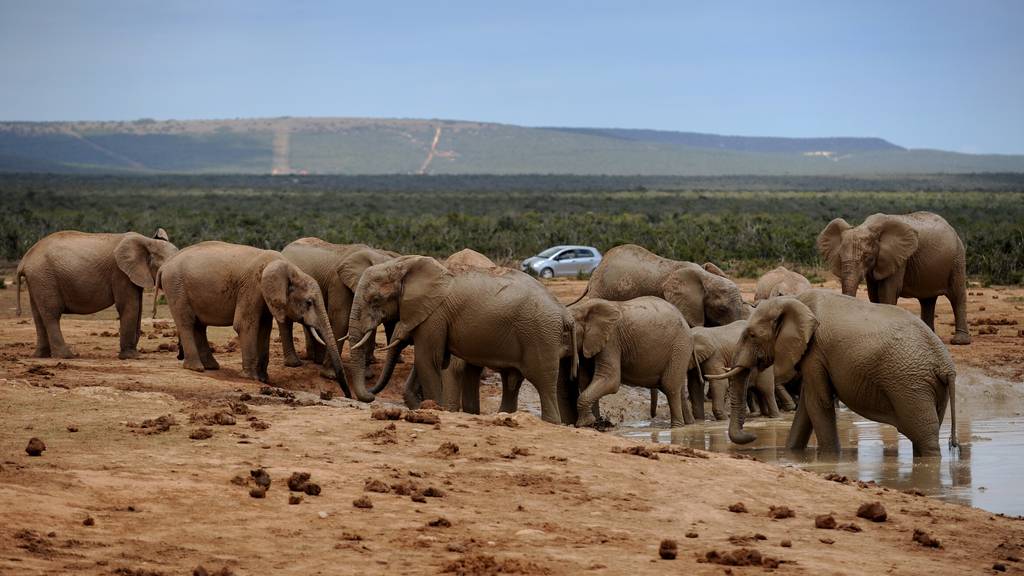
(261, 477)
(374, 485)
(35, 447)
(925, 539)
(441, 522)
(258, 492)
(636, 450)
(787, 543)
(312, 489)
(362, 502)
(850, 527)
(448, 449)
(485, 565)
(89, 521)
(692, 535)
(294, 499)
(72, 428)
(668, 549)
(390, 413)
(432, 492)
(780, 512)
(422, 417)
(999, 567)
(157, 425)
(825, 522)
(873, 511)
(740, 557)
(738, 508)
(297, 481)
(429, 405)
(201, 434)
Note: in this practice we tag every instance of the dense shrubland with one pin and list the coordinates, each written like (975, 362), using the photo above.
(749, 224)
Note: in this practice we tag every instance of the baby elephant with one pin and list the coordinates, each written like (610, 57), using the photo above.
(640, 342)
(780, 282)
(220, 284)
(80, 273)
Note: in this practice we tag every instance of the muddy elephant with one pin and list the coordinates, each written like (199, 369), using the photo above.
(460, 381)
(780, 282)
(221, 284)
(336, 269)
(641, 342)
(496, 317)
(878, 359)
(702, 293)
(80, 273)
(915, 255)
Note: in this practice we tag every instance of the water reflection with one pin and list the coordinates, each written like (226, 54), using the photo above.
(986, 473)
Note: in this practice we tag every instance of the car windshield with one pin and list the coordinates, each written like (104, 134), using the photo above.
(549, 252)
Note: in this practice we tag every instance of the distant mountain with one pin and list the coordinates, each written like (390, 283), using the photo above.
(407, 146)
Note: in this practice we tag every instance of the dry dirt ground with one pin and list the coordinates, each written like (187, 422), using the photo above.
(115, 494)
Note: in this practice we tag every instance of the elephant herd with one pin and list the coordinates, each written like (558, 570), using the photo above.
(643, 320)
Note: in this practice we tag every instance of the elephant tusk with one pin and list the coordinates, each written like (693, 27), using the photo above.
(392, 344)
(725, 375)
(363, 341)
(343, 338)
(316, 336)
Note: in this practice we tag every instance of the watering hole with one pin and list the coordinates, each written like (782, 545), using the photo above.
(985, 474)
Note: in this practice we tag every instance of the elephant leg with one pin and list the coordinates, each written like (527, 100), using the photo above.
(605, 381)
(42, 341)
(451, 384)
(58, 348)
(766, 394)
(428, 370)
(187, 341)
(800, 431)
(928, 311)
(204, 348)
(129, 311)
(957, 296)
(471, 388)
(263, 349)
(412, 394)
(782, 395)
(315, 351)
(695, 389)
(291, 358)
(511, 381)
(248, 340)
(919, 421)
(753, 408)
(674, 386)
(719, 390)
(872, 288)
(389, 330)
(889, 289)
(817, 399)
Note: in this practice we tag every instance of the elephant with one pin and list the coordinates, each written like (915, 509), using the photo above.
(495, 317)
(878, 359)
(780, 282)
(460, 382)
(82, 273)
(703, 294)
(220, 284)
(336, 269)
(641, 342)
(915, 255)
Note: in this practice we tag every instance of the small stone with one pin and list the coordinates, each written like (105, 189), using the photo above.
(323, 514)
(440, 523)
(692, 535)
(201, 434)
(258, 492)
(668, 550)
(738, 508)
(780, 512)
(925, 539)
(88, 521)
(999, 567)
(825, 522)
(787, 543)
(873, 511)
(374, 485)
(312, 488)
(362, 502)
(35, 447)
(294, 499)
(262, 479)
(297, 481)
(826, 541)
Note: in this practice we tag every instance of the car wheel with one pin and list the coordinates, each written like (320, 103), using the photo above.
(547, 273)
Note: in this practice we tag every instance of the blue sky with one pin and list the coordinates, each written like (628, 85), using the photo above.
(937, 74)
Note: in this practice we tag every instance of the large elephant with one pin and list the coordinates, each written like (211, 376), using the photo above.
(497, 317)
(714, 349)
(702, 294)
(336, 269)
(81, 273)
(878, 359)
(915, 255)
(641, 342)
(780, 282)
(221, 284)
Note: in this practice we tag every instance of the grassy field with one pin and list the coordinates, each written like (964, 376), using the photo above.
(746, 224)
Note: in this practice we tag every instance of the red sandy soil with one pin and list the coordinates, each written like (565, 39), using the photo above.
(521, 496)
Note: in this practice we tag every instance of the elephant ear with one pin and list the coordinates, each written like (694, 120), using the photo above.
(132, 256)
(897, 241)
(703, 346)
(161, 234)
(684, 289)
(353, 266)
(600, 319)
(276, 283)
(793, 326)
(829, 241)
(425, 284)
(711, 267)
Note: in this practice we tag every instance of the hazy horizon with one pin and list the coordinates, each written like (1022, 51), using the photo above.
(943, 75)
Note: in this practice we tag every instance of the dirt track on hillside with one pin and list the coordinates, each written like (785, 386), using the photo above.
(520, 496)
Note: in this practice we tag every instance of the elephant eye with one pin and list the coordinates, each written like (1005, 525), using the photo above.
(309, 302)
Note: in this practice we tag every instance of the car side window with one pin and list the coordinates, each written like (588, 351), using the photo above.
(564, 255)
(584, 254)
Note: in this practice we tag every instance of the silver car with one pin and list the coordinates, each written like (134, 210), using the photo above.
(563, 261)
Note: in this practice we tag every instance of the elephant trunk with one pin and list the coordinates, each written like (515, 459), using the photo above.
(851, 278)
(324, 328)
(358, 356)
(394, 353)
(738, 399)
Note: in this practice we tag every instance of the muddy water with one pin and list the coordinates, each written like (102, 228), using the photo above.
(987, 473)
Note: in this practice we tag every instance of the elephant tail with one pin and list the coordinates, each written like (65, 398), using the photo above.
(654, 402)
(156, 292)
(17, 283)
(582, 296)
(950, 379)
